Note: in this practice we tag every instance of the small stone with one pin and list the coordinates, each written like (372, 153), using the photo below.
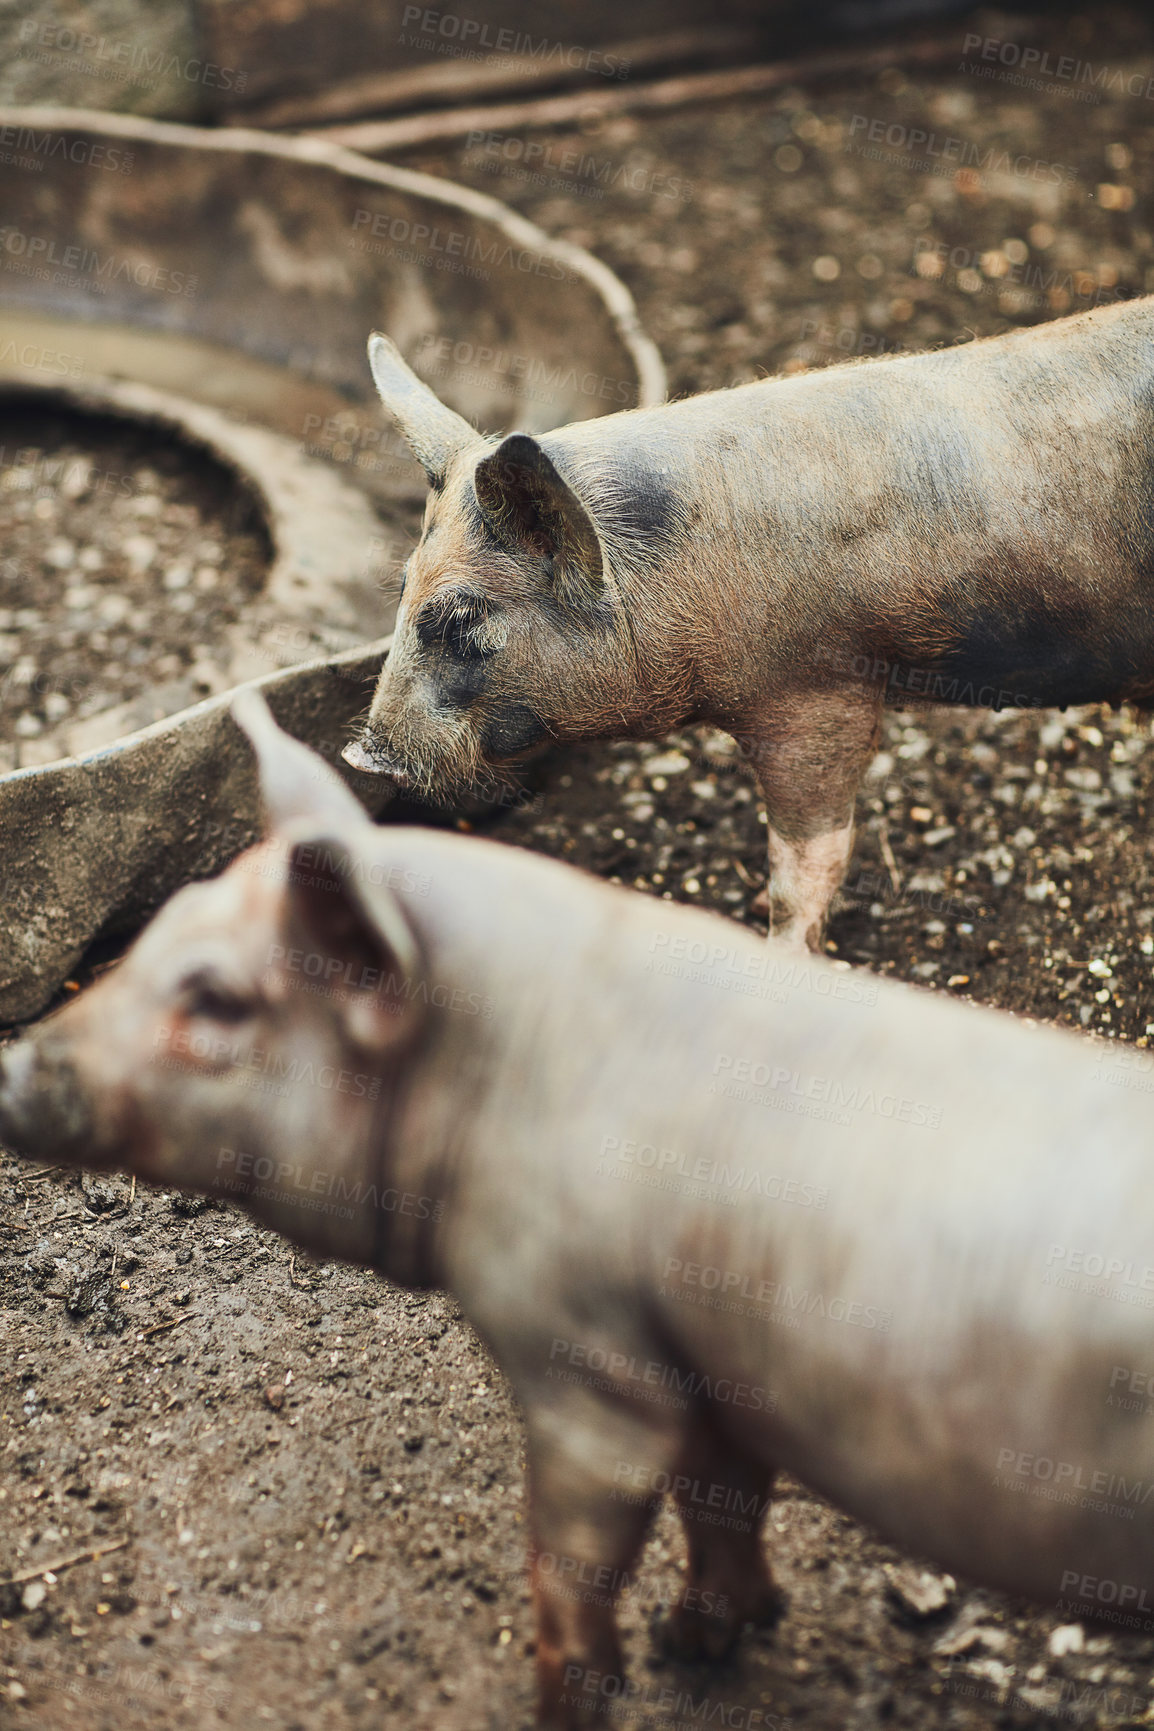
(61, 554)
(667, 763)
(1069, 1638)
(140, 551)
(919, 1592)
(113, 608)
(34, 1595)
(274, 1397)
(968, 1636)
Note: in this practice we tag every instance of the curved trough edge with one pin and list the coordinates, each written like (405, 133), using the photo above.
(320, 525)
(110, 855)
(622, 308)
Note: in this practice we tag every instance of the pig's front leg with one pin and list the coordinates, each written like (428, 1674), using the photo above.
(586, 1536)
(722, 1496)
(810, 752)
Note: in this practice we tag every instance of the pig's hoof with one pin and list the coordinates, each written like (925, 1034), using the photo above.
(691, 1633)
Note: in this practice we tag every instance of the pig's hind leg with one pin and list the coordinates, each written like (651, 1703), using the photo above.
(810, 753)
(722, 1496)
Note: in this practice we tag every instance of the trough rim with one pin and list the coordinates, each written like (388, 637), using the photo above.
(652, 380)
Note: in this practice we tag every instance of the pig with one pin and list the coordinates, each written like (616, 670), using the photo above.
(719, 1209)
(971, 526)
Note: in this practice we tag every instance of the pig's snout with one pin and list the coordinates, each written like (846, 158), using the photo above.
(44, 1111)
(364, 754)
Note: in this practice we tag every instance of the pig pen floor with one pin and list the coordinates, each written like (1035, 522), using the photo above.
(319, 1479)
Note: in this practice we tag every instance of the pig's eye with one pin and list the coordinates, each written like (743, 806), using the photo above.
(207, 996)
(462, 624)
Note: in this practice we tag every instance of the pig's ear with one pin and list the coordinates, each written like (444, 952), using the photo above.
(435, 433)
(531, 509)
(296, 784)
(340, 910)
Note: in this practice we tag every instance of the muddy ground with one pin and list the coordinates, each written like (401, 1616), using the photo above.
(307, 1488)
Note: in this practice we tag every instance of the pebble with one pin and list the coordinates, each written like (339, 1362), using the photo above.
(919, 1592)
(667, 763)
(139, 550)
(1068, 1638)
(61, 554)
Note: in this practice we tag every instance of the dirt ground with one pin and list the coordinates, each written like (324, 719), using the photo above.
(307, 1487)
(125, 560)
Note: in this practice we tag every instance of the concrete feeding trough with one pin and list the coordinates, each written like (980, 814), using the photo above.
(218, 287)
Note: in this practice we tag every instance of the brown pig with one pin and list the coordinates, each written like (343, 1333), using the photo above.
(720, 1210)
(972, 526)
